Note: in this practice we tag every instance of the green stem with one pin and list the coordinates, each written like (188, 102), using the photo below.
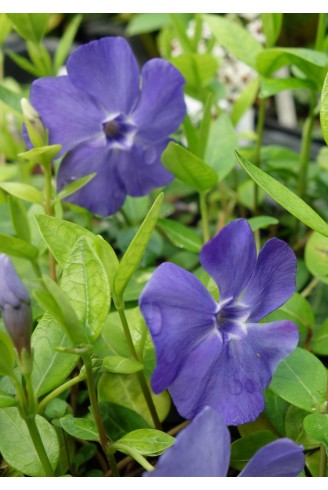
(48, 208)
(58, 391)
(38, 444)
(259, 131)
(140, 375)
(306, 149)
(32, 403)
(321, 32)
(204, 216)
(104, 441)
(306, 291)
(20, 392)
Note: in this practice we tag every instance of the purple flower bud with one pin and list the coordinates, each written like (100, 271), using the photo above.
(15, 306)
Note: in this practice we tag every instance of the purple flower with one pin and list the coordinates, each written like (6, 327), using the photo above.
(203, 449)
(15, 305)
(217, 354)
(108, 124)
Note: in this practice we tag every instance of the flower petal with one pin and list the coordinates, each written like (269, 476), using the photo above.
(104, 194)
(180, 314)
(161, 108)
(273, 280)
(70, 115)
(230, 258)
(201, 449)
(231, 379)
(279, 458)
(143, 171)
(108, 71)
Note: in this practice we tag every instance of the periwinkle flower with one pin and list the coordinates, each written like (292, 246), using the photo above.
(15, 306)
(203, 449)
(217, 354)
(109, 124)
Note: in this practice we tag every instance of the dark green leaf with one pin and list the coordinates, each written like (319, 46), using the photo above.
(295, 430)
(119, 420)
(319, 340)
(243, 449)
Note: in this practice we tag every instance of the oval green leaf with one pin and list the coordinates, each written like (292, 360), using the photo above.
(316, 256)
(121, 365)
(148, 442)
(180, 235)
(80, 428)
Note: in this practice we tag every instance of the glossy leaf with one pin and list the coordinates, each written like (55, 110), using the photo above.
(16, 445)
(301, 380)
(23, 191)
(61, 236)
(17, 247)
(243, 449)
(148, 442)
(316, 426)
(136, 249)
(108, 258)
(235, 38)
(31, 27)
(286, 198)
(316, 256)
(119, 420)
(80, 428)
(188, 168)
(275, 410)
(180, 235)
(294, 428)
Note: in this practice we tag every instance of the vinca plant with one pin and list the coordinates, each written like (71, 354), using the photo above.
(163, 271)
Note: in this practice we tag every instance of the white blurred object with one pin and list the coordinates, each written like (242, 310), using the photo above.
(285, 107)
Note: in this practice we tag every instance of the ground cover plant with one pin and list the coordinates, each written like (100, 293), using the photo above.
(163, 267)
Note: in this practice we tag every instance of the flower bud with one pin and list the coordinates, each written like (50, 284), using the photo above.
(15, 306)
(36, 131)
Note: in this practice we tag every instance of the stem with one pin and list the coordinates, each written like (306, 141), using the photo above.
(306, 149)
(306, 291)
(58, 391)
(140, 375)
(321, 31)
(204, 215)
(32, 403)
(38, 444)
(257, 161)
(104, 441)
(48, 208)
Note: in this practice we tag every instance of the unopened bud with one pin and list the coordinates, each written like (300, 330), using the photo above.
(35, 129)
(15, 306)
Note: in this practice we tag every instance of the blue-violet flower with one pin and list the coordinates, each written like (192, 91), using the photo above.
(217, 354)
(203, 449)
(108, 124)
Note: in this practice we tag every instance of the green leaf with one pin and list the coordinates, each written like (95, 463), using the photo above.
(16, 445)
(11, 99)
(189, 168)
(108, 258)
(235, 38)
(17, 247)
(148, 442)
(316, 256)
(23, 63)
(74, 186)
(319, 340)
(220, 147)
(7, 356)
(61, 236)
(80, 428)
(245, 100)
(23, 191)
(119, 420)
(271, 26)
(246, 194)
(316, 426)
(43, 155)
(180, 235)
(275, 410)
(262, 222)
(197, 69)
(50, 367)
(31, 27)
(121, 365)
(143, 23)
(136, 249)
(136, 208)
(243, 449)
(286, 198)
(5, 27)
(19, 218)
(301, 380)
(272, 86)
(66, 41)
(295, 430)
(7, 400)
(323, 109)
(85, 283)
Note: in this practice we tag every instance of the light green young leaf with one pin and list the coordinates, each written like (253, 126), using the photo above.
(189, 168)
(272, 26)
(197, 69)
(18, 248)
(180, 235)
(262, 222)
(19, 218)
(286, 198)
(245, 100)
(23, 191)
(80, 428)
(272, 86)
(31, 27)
(43, 155)
(108, 258)
(324, 109)
(23, 63)
(136, 249)
(143, 23)
(5, 27)
(85, 284)
(65, 42)
(121, 365)
(301, 380)
(148, 442)
(16, 445)
(74, 186)
(61, 236)
(235, 38)
(7, 400)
